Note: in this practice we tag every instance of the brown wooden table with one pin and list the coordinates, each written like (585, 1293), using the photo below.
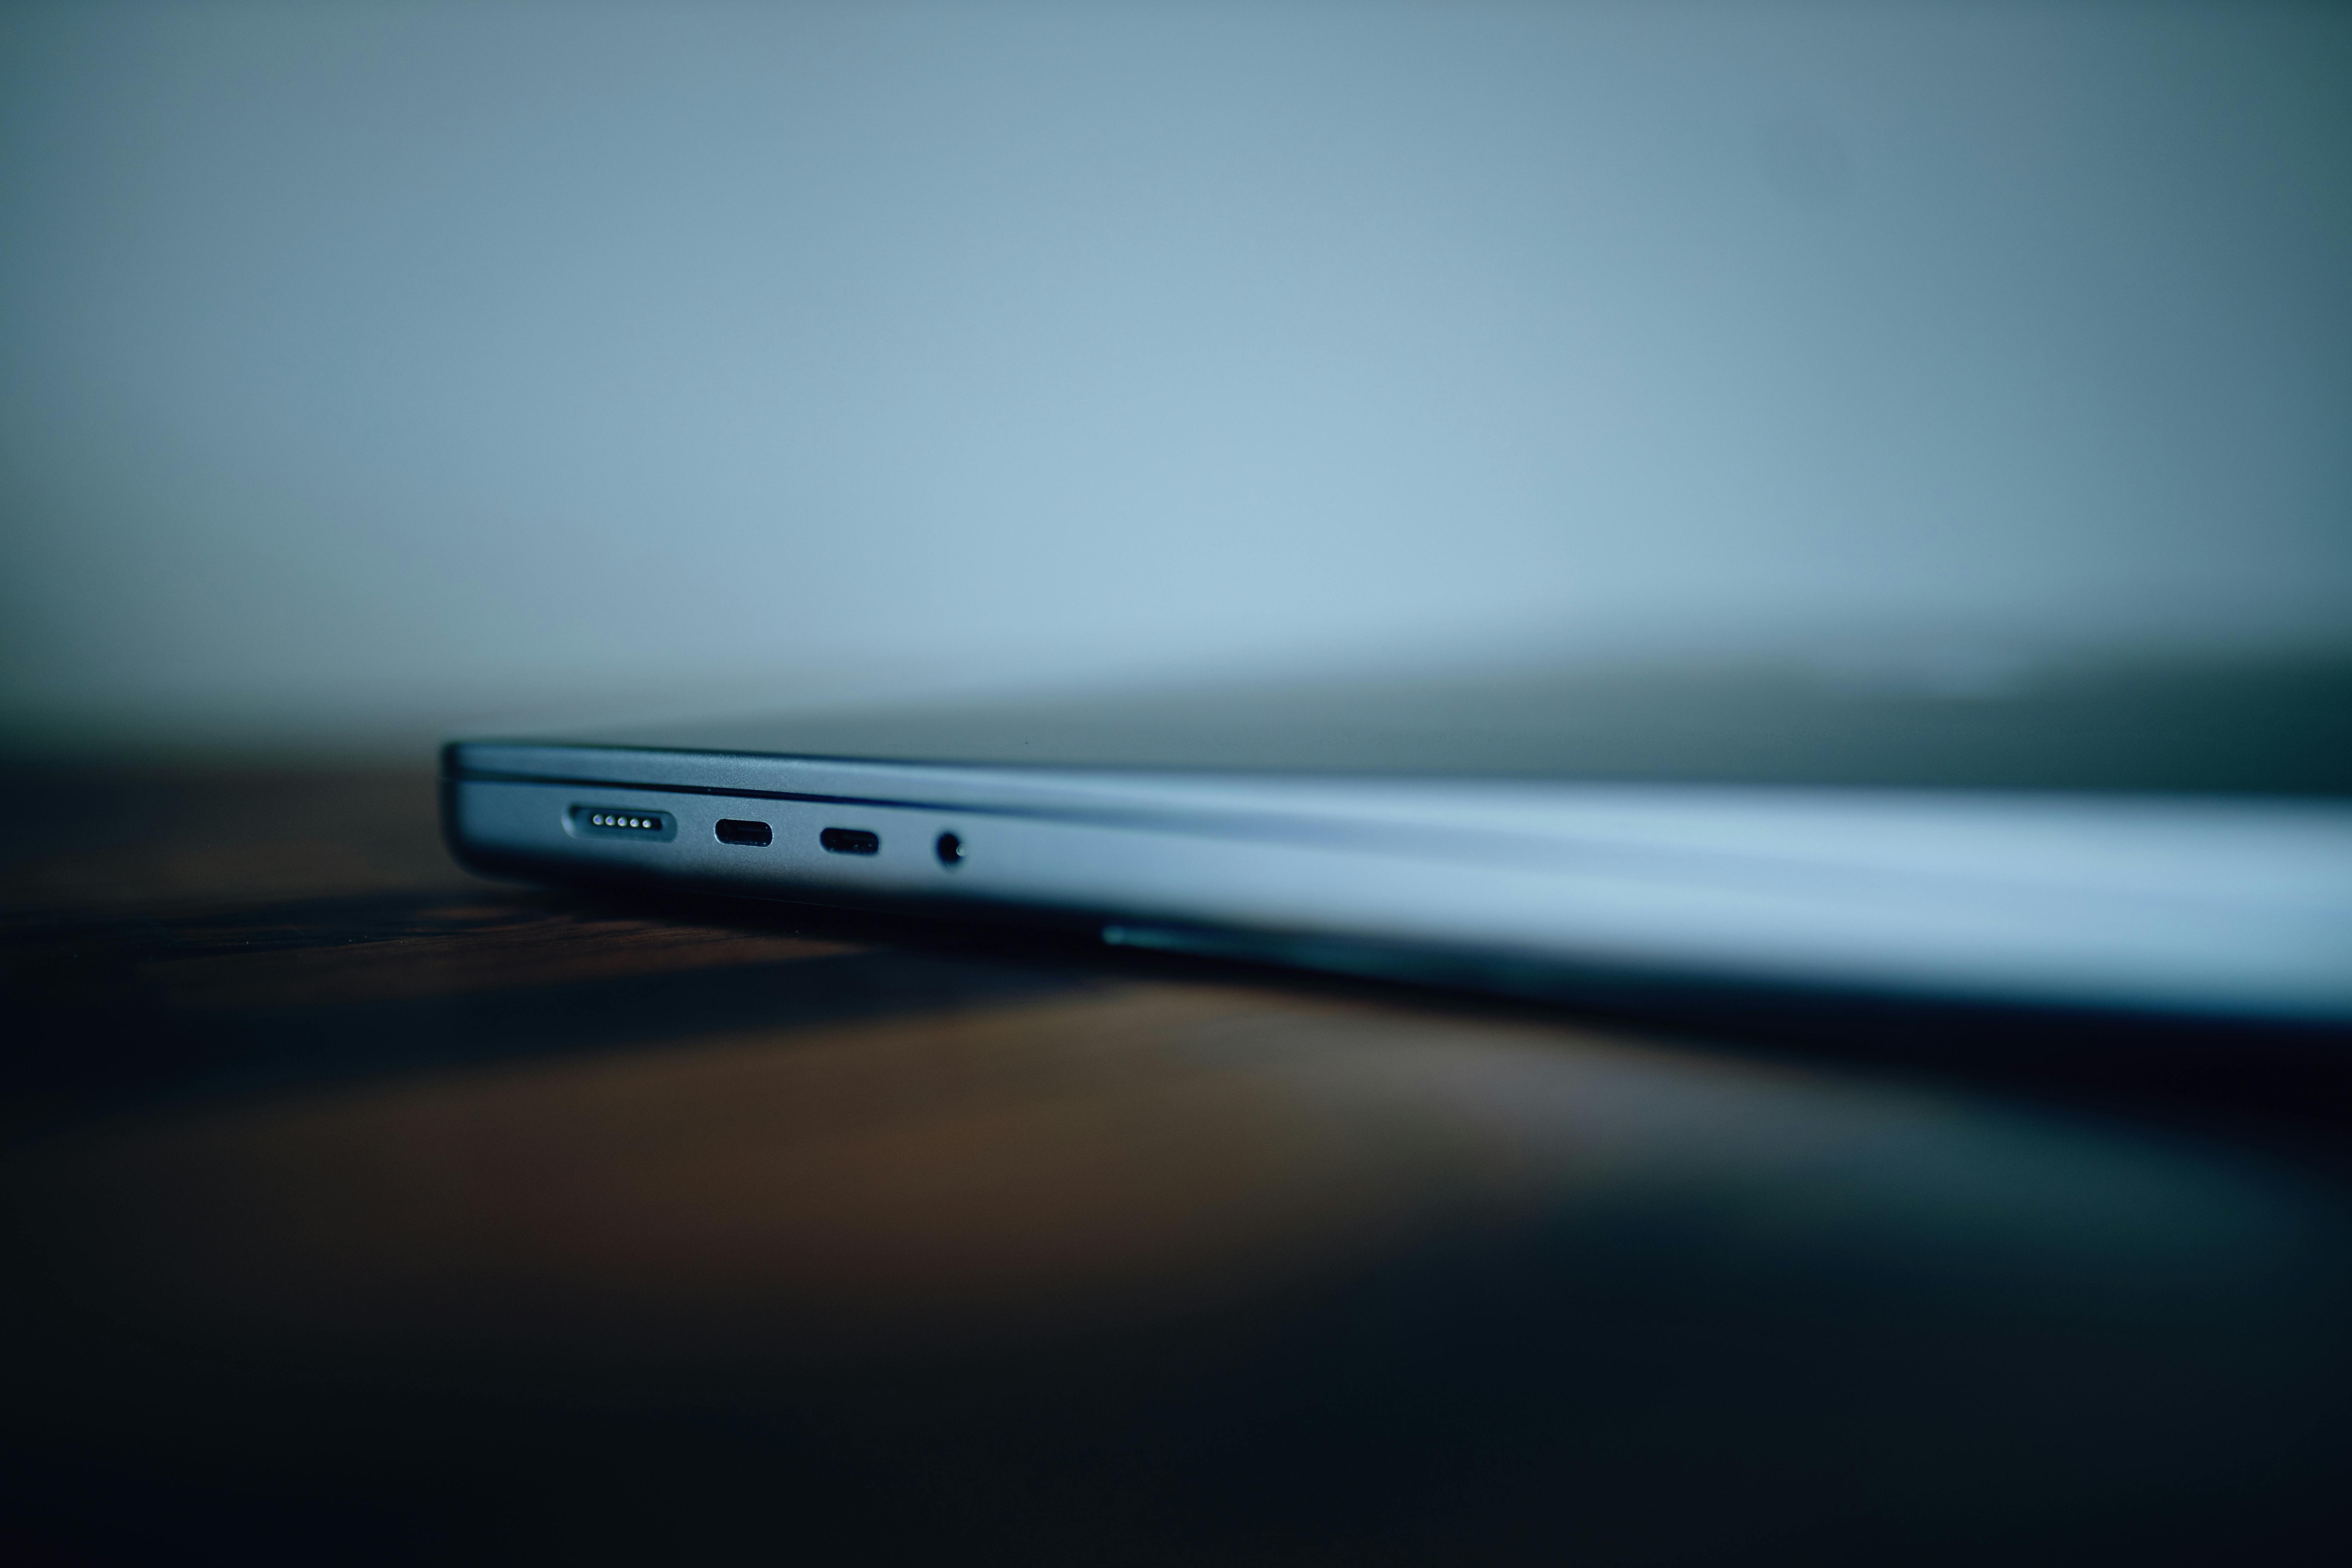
(358, 1210)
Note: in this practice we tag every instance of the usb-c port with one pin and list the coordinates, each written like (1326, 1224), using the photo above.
(733, 830)
(850, 840)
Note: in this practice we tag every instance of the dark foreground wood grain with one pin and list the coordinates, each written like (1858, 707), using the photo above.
(357, 1210)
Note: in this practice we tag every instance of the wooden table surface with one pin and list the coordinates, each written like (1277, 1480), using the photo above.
(360, 1210)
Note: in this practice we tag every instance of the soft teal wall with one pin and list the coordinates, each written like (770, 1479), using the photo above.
(378, 365)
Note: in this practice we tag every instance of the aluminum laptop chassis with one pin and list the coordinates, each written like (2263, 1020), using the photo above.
(2221, 906)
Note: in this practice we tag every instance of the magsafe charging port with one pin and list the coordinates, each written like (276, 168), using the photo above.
(622, 822)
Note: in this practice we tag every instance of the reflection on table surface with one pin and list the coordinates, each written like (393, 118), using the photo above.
(360, 1210)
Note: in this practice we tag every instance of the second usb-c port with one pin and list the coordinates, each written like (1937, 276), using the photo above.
(850, 840)
(733, 830)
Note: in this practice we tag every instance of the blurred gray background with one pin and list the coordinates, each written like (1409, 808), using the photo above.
(371, 369)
